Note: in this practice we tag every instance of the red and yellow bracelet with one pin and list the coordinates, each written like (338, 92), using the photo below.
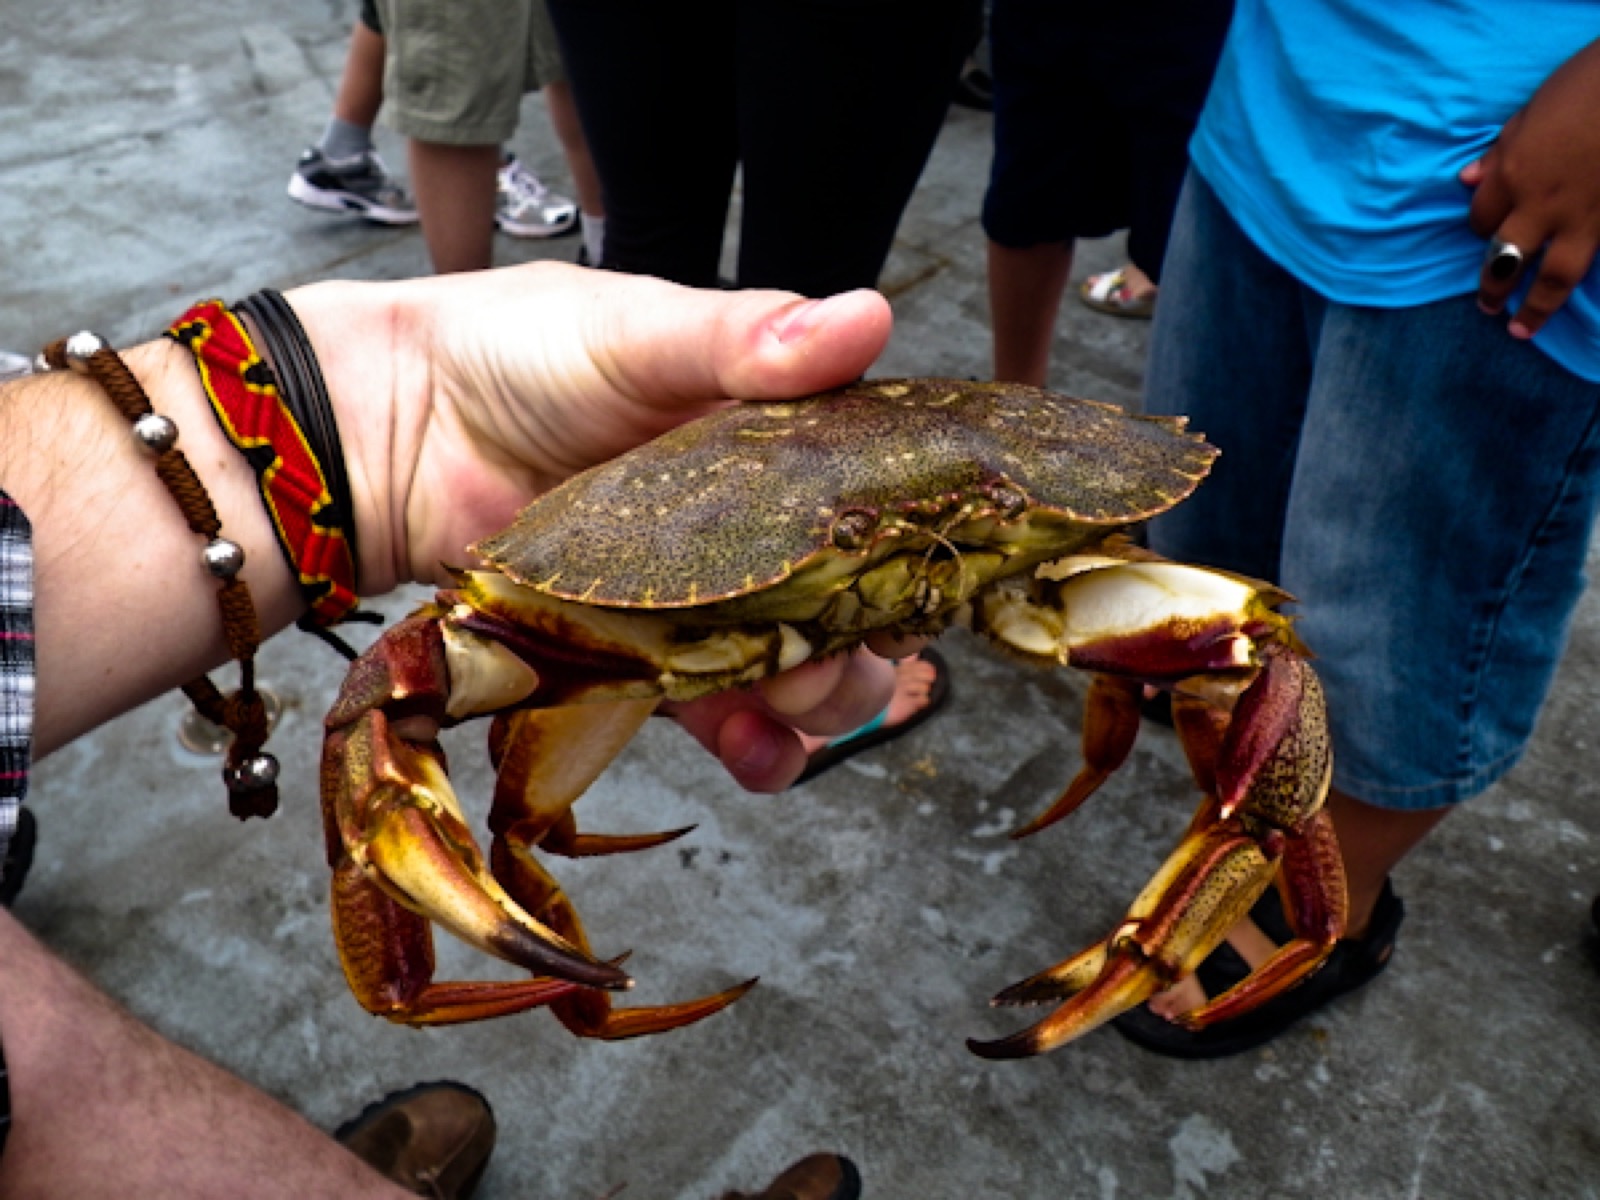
(249, 405)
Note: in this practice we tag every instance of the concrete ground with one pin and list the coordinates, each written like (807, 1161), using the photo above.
(143, 153)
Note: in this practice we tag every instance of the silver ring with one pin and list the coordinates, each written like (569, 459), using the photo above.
(1504, 260)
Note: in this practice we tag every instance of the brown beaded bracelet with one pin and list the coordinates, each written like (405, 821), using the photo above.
(250, 774)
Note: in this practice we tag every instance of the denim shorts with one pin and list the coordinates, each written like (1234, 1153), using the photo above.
(455, 71)
(1422, 482)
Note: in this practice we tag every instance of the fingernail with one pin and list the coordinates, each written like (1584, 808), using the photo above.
(1492, 310)
(1519, 331)
(803, 318)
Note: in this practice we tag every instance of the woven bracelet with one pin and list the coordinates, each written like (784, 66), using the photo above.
(251, 775)
(253, 404)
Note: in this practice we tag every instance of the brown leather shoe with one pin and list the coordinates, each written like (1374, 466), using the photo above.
(815, 1177)
(433, 1139)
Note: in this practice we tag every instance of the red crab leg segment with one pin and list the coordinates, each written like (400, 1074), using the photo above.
(546, 759)
(391, 817)
(1272, 771)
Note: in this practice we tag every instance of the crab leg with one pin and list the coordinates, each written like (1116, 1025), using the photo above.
(1111, 719)
(547, 758)
(1272, 773)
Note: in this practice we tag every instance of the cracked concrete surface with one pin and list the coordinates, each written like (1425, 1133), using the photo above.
(143, 153)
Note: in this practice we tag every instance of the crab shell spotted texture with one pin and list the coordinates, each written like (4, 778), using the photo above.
(767, 509)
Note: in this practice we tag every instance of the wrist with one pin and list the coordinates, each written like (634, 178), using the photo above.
(368, 364)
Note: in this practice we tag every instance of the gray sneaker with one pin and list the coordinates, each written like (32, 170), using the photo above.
(360, 185)
(526, 208)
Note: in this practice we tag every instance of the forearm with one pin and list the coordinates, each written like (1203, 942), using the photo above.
(124, 608)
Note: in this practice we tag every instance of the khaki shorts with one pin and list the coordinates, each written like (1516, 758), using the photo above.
(455, 71)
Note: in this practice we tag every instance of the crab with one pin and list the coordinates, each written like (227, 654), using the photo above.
(767, 535)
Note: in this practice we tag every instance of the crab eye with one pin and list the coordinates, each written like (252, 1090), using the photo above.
(1008, 501)
(854, 529)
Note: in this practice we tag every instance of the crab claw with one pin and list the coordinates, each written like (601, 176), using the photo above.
(399, 822)
(1265, 821)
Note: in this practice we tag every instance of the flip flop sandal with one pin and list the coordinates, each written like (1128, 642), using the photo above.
(1108, 293)
(878, 730)
(1353, 964)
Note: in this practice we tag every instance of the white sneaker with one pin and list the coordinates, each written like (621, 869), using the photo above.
(526, 208)
(360, 185)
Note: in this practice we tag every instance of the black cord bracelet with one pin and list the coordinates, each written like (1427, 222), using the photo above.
(305, 394)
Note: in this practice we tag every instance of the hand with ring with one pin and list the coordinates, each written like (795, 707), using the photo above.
(1537, 196)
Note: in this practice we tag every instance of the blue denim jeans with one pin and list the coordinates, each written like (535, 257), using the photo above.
(1421, 481)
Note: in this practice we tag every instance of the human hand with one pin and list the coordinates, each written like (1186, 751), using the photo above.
(1538, 189)
(484, 390)
(499, 385)
(756, 732)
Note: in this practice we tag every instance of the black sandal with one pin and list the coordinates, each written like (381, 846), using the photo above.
(1353, 963)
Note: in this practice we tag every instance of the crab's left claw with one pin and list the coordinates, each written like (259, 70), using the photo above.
(395, 818)
(1267, 821)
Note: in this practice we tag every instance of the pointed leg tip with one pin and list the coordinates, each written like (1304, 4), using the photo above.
(1019, 1045)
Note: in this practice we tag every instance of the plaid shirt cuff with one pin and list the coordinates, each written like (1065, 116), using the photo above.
(16, 663)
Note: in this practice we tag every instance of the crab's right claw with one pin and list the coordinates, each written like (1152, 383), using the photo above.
(395, 817)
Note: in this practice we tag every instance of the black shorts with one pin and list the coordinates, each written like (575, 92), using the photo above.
(1094, 106)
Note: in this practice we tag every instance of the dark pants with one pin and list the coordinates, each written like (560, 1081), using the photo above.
(829, 109)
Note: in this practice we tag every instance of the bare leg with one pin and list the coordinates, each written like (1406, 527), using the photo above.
(564, 120)
(360, 93)
(1025, 288)
(102, 1106)
(455, 190)
(1373, 842)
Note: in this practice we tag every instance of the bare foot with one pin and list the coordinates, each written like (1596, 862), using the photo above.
(1187, 995)
(914, 678)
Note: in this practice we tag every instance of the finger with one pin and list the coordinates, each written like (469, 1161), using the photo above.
(1566, 261)
(761, 754)
(1491, 198)
(663, 340)
(835, 696)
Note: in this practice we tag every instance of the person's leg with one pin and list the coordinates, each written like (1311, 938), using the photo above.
(360, 93)
(1025, 288)
(653, 85)
(1233, 356)
(104, 1107)
(454, 75)
(563, 109)
(1053, 177)
(455, 194)
(1442, 504)
(839, 108)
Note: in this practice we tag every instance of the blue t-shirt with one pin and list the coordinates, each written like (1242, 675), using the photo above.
(1335, 130)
